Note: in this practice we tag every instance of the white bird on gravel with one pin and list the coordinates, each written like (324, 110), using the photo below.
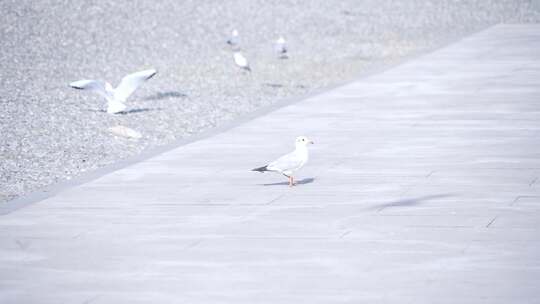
(233, 41)
(281, 48)
(241, 61)
(115, 97)
(290, 163)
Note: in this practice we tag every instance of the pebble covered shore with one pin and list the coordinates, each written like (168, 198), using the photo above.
(50, 132)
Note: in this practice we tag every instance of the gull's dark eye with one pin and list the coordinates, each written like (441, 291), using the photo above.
(303, 139)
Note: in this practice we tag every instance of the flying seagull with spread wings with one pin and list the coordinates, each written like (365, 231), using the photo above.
(116, 97)
(290, 163)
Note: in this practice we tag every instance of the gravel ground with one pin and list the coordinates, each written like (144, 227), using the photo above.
(50, 132)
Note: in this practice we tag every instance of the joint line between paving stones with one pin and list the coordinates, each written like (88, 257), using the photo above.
(344, 234)
(491, 222)
(275, 199)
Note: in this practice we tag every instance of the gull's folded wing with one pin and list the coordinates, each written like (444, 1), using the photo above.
(286, 162)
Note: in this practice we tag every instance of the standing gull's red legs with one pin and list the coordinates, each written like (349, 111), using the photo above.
(291, 181)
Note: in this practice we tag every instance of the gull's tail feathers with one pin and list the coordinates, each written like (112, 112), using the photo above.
(261, 169)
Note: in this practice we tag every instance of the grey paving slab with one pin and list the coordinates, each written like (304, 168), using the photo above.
(422, 188)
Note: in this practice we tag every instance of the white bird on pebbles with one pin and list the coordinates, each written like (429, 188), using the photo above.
(116, 97)
(290, 163)
(281, 48)
(233, 41)
(241, 61)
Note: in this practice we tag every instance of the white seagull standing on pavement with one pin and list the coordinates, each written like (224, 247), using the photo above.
(281, 48)
(115, 97)
(233, 41)
(241, 61)
(290, 163)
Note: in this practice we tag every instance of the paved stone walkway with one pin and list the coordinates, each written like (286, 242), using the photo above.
(423, 187)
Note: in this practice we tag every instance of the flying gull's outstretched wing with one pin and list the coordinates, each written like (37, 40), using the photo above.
(97, 86)
(131, 82)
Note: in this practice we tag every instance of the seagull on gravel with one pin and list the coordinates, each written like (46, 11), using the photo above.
(281, 48)
(115, 97)
(290, 163)
(233, 41)
(241, 61)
